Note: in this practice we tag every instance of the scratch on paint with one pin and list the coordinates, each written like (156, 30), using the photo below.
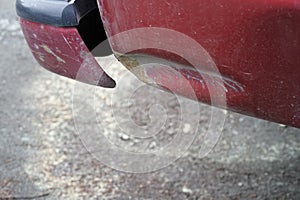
(48, 50)
(41, 57)
(232, 85)
(136, 62)
(65, 39)
(222, 85)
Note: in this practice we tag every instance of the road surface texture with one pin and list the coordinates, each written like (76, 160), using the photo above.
(43, 157)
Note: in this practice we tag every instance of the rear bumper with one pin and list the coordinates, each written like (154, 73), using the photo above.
(255, 45)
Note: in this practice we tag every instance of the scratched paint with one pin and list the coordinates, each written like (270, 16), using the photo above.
(62, 51)
(141, 65)
(48, 50)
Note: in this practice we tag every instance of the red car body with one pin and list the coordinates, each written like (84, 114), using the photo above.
(255, 45)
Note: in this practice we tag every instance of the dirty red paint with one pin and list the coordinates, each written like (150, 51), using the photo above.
(254, 43)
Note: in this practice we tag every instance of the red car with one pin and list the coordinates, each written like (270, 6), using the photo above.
(243, 55)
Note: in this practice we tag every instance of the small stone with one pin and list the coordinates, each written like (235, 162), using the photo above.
(173, 103)
(152, 145)
(25, 139)
(186, 128)
(283, 125)
(240, 184)
(225, 112)
(171, 131)
(124, 137)
(186, 190)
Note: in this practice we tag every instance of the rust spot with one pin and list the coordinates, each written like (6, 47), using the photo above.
(134, 67)
(129, 63)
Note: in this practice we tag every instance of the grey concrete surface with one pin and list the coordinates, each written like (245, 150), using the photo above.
(42, 157)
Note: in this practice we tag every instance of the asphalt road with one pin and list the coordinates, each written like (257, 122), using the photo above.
(43, 157)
